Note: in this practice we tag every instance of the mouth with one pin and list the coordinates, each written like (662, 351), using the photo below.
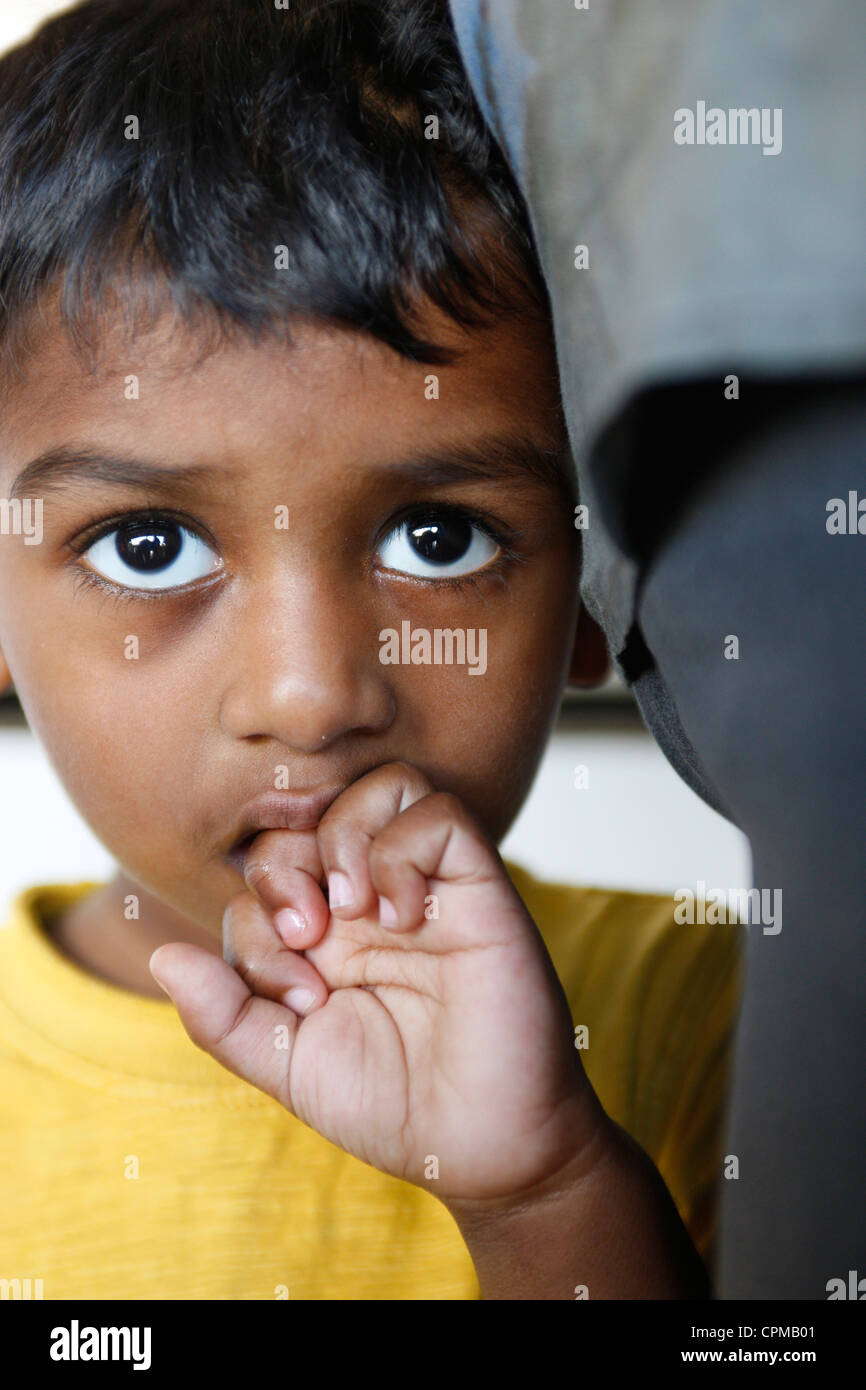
(278, 811)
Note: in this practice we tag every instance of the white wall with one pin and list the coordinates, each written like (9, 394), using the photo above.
(636, 825)
(18, 18)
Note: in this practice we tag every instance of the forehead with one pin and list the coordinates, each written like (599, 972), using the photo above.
(174, 384)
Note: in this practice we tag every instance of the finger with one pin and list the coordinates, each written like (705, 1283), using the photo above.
(252, 1037)
(269, 968)
(433, 839)
(284, 870)
(349, 826)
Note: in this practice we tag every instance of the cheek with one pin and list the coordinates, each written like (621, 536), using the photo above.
(487, 749)
(118, 737)
(496, 752)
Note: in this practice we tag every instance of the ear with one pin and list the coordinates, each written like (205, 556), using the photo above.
(590, 663)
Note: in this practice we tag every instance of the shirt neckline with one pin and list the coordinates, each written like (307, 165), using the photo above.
(77, 1021)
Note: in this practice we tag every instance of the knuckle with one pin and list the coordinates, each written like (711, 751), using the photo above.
(414, 780)
(336, 836)
(402, 769)
(267, 845)
(275, 844)
(276, 855)
(385, 854)
(237, 1020)
(253, 971)
(257, 870)
(447, 806)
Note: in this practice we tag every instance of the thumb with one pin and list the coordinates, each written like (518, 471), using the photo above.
(248, 1035)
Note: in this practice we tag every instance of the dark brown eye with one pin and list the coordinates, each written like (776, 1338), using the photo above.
(149, 553)
(148, 547)
(437, 545)
(441, 542)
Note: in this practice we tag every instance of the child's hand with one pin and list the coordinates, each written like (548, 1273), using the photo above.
(439, 1047)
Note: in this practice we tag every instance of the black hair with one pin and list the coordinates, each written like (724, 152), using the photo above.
(306, 128)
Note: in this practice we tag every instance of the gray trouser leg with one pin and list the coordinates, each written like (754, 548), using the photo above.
(781, 733)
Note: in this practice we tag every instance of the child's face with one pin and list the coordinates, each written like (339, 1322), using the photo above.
(252, 662)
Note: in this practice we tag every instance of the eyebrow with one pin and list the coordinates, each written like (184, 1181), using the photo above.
(68, 464)
(491, 458)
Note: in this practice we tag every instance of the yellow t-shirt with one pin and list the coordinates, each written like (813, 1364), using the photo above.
(133, 1166)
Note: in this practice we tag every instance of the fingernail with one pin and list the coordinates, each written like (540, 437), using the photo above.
(387, 913)
(300, 1000)
(340, 891)
(288, 922)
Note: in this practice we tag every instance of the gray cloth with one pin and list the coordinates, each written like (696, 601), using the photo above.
(782, 734)
(708, 515)
(703, 259)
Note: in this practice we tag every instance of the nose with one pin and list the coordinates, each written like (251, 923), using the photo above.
(304, 667)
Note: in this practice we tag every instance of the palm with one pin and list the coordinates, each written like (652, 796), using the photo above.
(434, 1040)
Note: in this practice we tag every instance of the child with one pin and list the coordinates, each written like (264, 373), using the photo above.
(279, 383)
